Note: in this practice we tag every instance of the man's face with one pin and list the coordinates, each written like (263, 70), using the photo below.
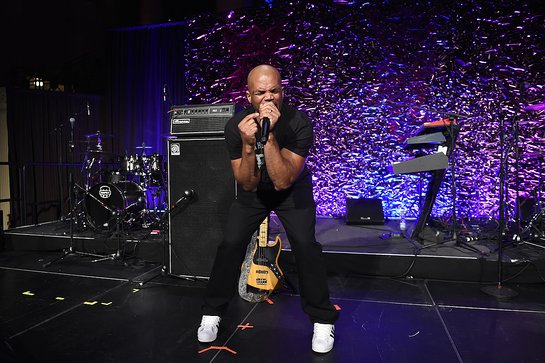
(265, 87)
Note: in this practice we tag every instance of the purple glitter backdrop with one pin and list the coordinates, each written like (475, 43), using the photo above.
(370, 75)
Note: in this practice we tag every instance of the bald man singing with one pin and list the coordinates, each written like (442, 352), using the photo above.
(273, 177)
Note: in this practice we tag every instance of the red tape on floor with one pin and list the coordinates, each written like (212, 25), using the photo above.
(218, 348)
(246, 326)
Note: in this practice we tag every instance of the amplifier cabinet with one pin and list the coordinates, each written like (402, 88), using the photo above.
(202, 166)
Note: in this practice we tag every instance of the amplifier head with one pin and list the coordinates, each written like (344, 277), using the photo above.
(201, 120)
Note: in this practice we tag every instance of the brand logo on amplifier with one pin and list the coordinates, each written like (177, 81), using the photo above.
(181, 121)
(175, 149)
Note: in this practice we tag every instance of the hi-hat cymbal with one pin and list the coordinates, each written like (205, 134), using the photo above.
(535, 107)
(143, 147)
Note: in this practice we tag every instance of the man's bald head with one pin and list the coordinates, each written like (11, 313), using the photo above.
(263, 69)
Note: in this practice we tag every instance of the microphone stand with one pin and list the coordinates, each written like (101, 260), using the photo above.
(183, 202)
(71, 251)
(498, 290)
(58, 131)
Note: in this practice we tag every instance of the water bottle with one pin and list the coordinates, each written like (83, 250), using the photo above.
(402, 223)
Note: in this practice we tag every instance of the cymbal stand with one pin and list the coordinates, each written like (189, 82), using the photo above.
(498, 290)
(71, 251)
(183, 202)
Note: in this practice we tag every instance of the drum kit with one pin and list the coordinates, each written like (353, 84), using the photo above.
(127, 192)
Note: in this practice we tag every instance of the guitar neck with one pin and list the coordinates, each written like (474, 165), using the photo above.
(263, 233)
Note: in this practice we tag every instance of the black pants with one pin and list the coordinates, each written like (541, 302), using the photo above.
(296, 210)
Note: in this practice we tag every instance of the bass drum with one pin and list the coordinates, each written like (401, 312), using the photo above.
(103, 199)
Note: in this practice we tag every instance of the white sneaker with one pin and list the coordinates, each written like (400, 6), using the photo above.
(323, 338)
(208, 331)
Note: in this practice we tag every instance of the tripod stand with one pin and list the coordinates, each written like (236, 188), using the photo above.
(499, 291)
(71, 251)
(116, 214)
(452, 130)
(182, 203)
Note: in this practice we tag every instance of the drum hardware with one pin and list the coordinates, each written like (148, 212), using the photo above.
(93, 160)
(115, 213)
(71, 251)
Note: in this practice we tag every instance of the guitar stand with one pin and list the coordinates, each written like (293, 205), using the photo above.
(290, 284)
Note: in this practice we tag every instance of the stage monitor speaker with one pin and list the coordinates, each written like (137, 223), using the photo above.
(200, 165)
(364, 211)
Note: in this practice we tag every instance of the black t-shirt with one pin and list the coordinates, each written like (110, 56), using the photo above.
(293, 131)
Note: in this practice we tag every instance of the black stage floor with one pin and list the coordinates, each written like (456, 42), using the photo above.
(79, 311)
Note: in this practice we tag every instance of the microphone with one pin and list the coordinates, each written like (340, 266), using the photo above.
(165, 92)
(188, 195)
(88, 109)
(265, 128)
(72, 121)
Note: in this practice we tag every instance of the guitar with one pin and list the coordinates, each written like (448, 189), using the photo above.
(260, 274)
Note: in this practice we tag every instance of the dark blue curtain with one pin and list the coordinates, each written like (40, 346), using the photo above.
(147, 78)
(40, 131)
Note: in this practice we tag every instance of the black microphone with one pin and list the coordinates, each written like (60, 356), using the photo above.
(88, 109)
(165, 92)
(265, 128)
(188, 195)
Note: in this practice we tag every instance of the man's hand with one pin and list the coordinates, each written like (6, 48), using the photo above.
(248, 129)
(269, 109)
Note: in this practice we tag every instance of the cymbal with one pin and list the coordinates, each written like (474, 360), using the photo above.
(97, 151)
(535, 107)
(143, 147)
(98, 134)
